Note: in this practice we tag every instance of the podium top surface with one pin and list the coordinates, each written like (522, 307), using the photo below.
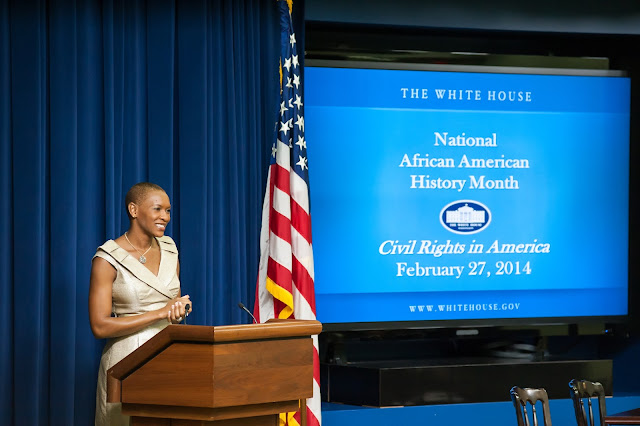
(199, 334)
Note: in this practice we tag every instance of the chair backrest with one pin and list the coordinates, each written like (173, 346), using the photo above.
(584, 389)
(522, 396)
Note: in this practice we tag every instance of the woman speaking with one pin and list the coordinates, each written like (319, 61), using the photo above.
(135, 288)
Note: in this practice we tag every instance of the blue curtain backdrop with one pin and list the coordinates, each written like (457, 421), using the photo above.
(94, 97)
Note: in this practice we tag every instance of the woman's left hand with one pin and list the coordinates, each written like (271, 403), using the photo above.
(178, 310)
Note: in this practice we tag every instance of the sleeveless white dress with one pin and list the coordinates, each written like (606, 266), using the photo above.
(136, 290)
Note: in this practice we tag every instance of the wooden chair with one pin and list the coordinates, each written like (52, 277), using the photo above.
(584, 389)
(521, 397)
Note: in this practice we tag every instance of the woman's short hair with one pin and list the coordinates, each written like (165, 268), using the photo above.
(137, 193)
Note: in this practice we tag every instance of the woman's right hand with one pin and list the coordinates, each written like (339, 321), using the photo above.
(177, 309)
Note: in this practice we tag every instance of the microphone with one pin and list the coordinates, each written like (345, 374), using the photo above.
(244, 308)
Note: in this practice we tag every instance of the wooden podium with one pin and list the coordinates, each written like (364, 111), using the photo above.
(238, 375)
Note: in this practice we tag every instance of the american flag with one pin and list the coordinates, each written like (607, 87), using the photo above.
(285, 278)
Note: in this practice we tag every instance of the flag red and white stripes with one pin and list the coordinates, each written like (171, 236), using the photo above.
(285, 279)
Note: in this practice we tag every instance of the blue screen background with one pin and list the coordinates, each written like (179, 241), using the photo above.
(574, 133)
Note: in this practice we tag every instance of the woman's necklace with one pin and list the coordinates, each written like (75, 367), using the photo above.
(142, 259)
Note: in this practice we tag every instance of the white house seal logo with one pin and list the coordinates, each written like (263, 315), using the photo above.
(465, 217)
